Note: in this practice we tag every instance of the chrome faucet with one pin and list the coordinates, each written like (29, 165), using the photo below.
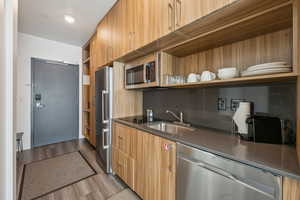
(180, 118)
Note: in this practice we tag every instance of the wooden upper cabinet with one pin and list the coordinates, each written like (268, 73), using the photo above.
(110, 28)
(132, 24)
(158, 19)
(101, 43)
(165, 13)
(117, 30)
(187, 11)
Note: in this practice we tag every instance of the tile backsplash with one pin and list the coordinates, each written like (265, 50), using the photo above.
(200, 105)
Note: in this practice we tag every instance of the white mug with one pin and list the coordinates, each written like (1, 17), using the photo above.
(193, 78)
(208, 76)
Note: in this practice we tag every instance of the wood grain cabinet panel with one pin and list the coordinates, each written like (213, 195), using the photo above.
(155, 167)
(101, 43)
(93, 64)
(291, 189)
(187, 11)
(158, 20)
(124, 139)
(124, 166)
(117, 30)
(145, 162)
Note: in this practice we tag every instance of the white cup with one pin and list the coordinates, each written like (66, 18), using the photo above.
(193, 78)
(208, 76)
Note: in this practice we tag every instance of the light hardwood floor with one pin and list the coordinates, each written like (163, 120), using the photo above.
(97, 187)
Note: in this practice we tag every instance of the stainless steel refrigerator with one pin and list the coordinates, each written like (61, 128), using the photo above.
(103, 95)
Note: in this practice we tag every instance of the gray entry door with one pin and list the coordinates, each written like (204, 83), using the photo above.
(55, 102)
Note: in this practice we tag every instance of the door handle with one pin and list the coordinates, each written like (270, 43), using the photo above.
(228, 175)
(104, 138)
(104, 121)
(170, 14)
(178, 16)
(39, 105)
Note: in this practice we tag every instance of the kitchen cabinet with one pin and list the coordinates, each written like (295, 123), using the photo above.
(124, 166)
(102, 43)
(158, 19)
(124, 150)
(291, 189)
(147, 163)
(128, 25)
(187, 11)
(124, 139)
(116, 30)
(108, 36)
(155, 167)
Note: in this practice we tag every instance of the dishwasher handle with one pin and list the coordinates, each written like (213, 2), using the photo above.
(226, 175)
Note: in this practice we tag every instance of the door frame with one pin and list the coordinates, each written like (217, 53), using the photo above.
(31, 94)
(8, 50)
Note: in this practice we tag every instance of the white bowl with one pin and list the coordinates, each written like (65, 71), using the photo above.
(228, 69)
(227, 73)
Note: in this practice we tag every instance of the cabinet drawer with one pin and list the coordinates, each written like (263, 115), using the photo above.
(124, 167)
(124, 139)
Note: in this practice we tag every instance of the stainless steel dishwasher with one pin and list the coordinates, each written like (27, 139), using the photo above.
(205, 176)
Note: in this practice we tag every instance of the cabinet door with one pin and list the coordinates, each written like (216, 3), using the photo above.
(108, 36)
(140, 27)
(167, 174)
(155, 167)
(291, 189)
(187, 11)
(101, 43)
(141, 173)
(128, 25)
(117, 30)
(124, 139)
(123, 166)
(165, 17)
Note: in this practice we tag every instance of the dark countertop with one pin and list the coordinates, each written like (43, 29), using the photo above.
(278, 159)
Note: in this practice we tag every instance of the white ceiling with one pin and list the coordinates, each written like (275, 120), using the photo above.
(45, 18)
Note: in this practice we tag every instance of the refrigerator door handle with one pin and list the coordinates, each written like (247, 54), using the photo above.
(104, 121)
(104, 136)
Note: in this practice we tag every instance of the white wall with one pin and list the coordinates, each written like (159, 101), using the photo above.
(34, 47)
(8, 31)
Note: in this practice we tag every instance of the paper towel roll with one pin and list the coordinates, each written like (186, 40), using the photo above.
(241, 115)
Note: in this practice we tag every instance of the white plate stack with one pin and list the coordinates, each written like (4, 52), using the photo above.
(267, 68)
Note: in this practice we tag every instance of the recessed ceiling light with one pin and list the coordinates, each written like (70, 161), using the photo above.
(69, 19)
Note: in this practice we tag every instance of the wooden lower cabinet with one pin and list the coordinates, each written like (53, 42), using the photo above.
(124, 166)
(291, 189)
(150, 171)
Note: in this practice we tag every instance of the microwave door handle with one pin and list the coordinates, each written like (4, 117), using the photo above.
(104, 121)
(227, 175)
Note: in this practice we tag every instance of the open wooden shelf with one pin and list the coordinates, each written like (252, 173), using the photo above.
(86, 110)
(270, 20)
(241, 80)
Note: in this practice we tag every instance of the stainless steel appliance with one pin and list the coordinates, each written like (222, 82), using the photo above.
(144, 73)
(205, 176)
(103, 93)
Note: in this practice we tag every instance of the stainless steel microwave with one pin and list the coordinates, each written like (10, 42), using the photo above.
(143, 73)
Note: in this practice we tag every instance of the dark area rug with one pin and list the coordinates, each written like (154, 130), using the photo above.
(46, 176)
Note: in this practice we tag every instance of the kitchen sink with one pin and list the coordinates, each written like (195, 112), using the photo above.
(170, 128)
